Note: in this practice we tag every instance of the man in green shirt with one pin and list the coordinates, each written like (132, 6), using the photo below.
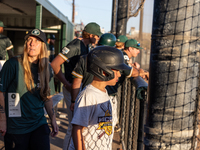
(69, 56)
(5, 46)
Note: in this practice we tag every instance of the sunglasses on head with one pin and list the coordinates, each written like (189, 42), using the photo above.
(138, 44)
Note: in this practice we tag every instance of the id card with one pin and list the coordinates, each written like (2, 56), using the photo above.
(14, 107)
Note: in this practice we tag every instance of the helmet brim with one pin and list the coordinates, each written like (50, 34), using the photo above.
(121, 67)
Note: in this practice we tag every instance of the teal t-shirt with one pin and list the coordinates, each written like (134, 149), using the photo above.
(24, 110)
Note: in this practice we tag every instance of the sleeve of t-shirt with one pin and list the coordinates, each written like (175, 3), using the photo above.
(127, 73)
(7, 74)
(84, 110)
(78, 71)
(68, 51)
(9, 45)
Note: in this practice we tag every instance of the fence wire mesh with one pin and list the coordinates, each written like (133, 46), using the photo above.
(129, 108)
(174, 76)
(134, 7)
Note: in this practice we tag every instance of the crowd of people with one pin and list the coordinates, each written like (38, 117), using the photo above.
(95, 66)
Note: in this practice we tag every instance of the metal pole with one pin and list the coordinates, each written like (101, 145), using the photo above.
(73, 11)
(121, 17)
(173, 79)
(140, 33)
(114, 17)
(38, 15)
(141, 25)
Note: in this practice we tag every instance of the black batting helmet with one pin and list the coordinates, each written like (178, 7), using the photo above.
(104, 58)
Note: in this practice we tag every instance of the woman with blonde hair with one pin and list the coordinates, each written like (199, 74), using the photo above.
(25, 88)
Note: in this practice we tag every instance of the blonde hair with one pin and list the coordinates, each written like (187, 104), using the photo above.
(119, 44)
(43, 71)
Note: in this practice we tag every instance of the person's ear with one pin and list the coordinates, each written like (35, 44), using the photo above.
(91, 36)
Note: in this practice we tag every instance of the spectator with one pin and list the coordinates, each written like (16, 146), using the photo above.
(50, 46)
(27, 83)
(92, 121)
(121, 42)
(5, 46)
(69, 56)
(132, 49)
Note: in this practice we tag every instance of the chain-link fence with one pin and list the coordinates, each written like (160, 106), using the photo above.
(132, 96)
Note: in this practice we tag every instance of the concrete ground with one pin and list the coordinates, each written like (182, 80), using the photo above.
(57, 142)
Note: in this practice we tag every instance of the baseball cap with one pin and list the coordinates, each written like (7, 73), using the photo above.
(133, 43)
(51, 36)
(93, 28)
(122, 38)
(37, 33)
(1, 24)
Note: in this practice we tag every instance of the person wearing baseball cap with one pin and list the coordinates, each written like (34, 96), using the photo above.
(6, 46)
(93, 28)
(27, 81)
(69, 56)
(132, 49)
(36, 33)
(121, 42)
(50, 46)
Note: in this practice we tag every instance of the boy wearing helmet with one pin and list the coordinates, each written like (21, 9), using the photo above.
(92, 121)
(80, 74)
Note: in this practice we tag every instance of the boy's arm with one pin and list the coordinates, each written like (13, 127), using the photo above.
(77, 137)
(2, 115)
(50, 111)
(76, 84)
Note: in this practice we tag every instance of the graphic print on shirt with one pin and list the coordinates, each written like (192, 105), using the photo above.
(126, 58)
(105, 122)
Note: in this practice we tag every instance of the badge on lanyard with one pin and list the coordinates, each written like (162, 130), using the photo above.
(14, 107)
